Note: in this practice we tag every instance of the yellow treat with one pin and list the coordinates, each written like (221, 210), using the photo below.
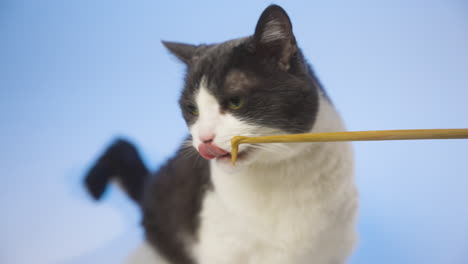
(351, 136)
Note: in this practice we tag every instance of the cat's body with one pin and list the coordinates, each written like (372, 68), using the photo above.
(282, 203)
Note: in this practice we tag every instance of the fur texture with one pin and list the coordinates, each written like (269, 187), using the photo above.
(282, 203)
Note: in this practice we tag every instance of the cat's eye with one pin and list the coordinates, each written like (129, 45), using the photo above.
(236, 102)
(192, 110)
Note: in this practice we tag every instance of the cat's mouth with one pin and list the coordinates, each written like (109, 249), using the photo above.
(210, 151)
(227, 157)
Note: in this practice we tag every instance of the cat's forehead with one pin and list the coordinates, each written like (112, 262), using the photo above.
(220, 68)
(232, 82)
(238, 80)
(220, 53)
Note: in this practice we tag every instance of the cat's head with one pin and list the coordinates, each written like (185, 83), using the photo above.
(253, 86)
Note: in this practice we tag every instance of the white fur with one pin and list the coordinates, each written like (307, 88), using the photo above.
(209, 115)
(286, 203)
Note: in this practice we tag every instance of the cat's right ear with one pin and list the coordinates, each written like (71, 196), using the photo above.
(184, 52)
(274, 36)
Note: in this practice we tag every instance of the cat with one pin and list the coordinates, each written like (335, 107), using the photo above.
(282, 203)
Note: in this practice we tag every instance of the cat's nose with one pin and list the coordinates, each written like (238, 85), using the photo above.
(207, 138)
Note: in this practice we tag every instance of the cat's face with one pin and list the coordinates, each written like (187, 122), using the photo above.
(254, 86)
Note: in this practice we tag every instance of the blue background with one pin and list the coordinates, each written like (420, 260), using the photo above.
(76, 74)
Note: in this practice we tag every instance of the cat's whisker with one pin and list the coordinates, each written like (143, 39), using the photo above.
(268, 148)
(187, 143)
(189, 152)
(186, 154)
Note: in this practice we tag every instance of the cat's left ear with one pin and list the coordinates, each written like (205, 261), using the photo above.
(184, 52)
(274, 36)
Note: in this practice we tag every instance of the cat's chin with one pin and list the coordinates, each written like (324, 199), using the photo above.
(242, 157)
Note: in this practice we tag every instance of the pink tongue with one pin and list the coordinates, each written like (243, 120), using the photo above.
(210, 151)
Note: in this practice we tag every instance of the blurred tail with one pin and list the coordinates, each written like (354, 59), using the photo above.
(122, 162)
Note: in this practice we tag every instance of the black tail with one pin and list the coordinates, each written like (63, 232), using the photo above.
(122, 162)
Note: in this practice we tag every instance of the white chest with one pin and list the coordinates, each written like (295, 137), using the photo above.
(302, 212)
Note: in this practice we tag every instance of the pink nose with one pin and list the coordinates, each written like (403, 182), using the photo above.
(207, 138)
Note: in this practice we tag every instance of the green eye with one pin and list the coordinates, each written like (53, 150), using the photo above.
(236, 103)
(192, 110)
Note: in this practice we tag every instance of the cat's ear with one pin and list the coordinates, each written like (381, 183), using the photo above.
(184, 52)
(274, 36)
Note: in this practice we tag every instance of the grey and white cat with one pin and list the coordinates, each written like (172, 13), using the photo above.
(282, 203)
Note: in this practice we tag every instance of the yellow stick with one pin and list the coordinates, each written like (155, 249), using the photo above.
(351, 136)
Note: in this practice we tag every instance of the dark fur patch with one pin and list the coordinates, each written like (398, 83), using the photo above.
(121, 161)
(170, 199)
(172, 203)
